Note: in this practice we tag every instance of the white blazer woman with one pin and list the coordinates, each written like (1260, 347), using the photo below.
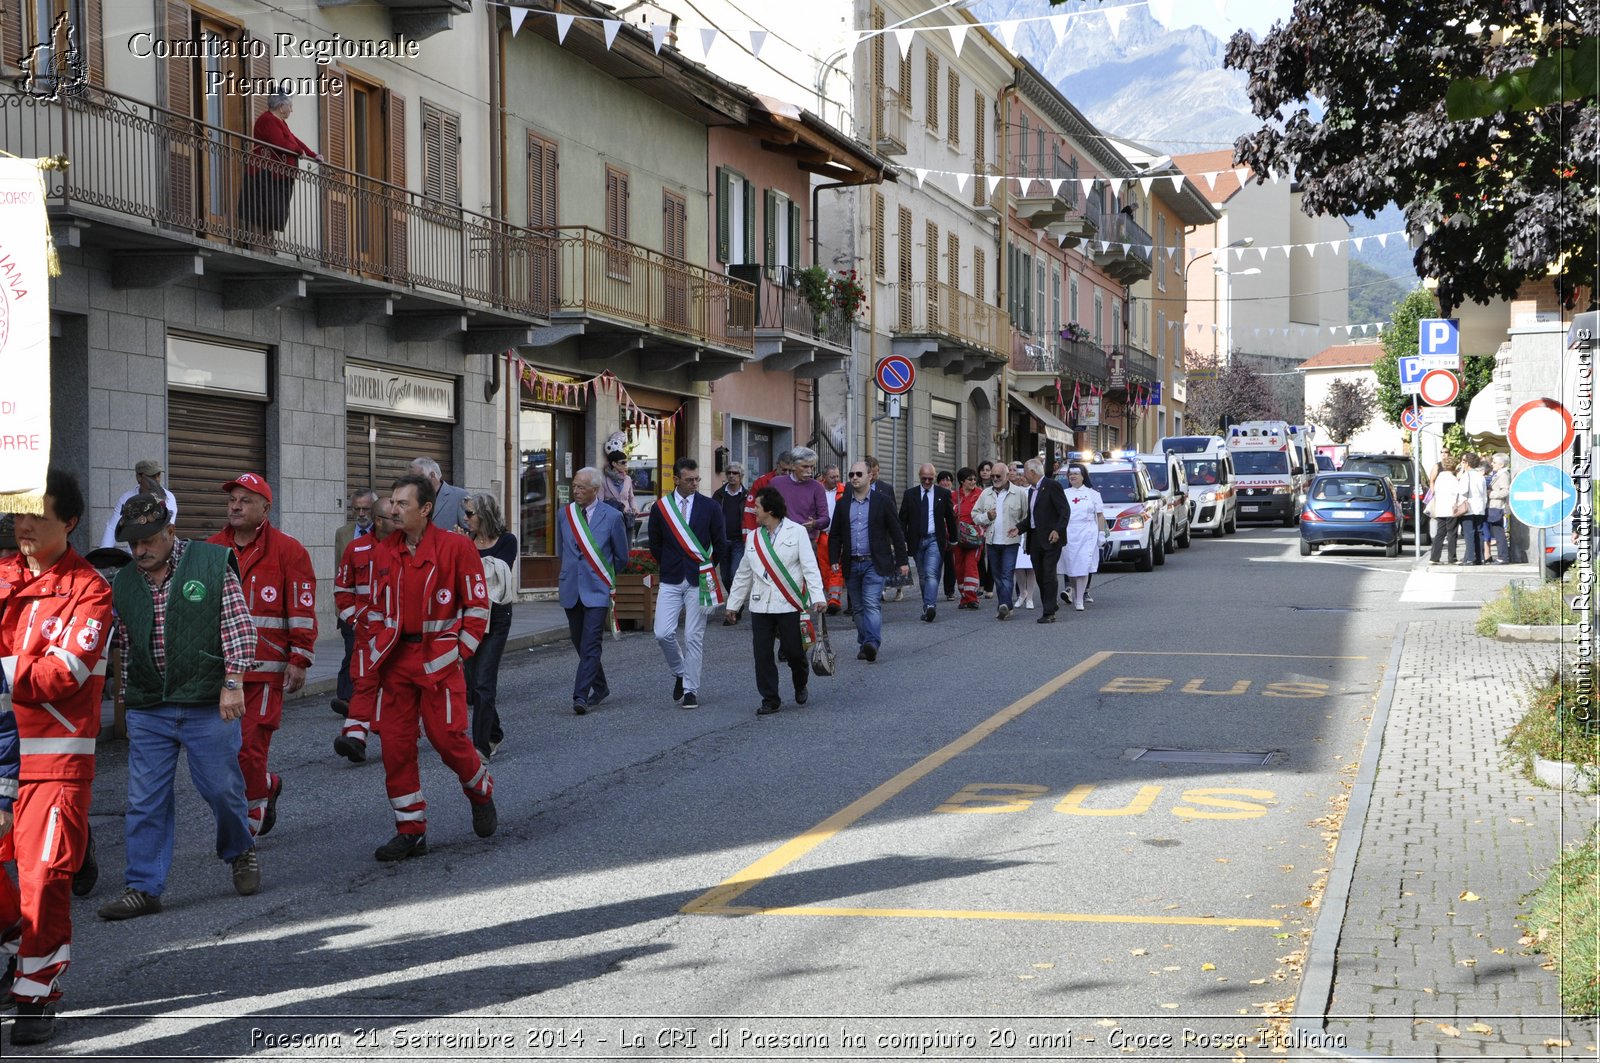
(776, 598)
(754, 584)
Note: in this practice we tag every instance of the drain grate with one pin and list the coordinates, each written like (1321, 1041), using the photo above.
(1210, 756)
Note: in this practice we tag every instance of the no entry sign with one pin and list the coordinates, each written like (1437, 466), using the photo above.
(1540, 430)
(1439, 387)
(896, 374)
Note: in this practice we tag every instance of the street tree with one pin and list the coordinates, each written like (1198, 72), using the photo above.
(1491, 200)
(1223, 395)
(1347, 409)
(1400, 340)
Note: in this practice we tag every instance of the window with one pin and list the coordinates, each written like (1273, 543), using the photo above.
(1055, 301)
(1038, 294)
(877, 56)
(879, 254)
(1072, 301)
(441, 155)
(736, 218)
(542, 169)
(980, 149)
(905, 84)
(675, 244)
(1159, 251)
(1116, 323)
(41, 33)
(617, 222)
(952, 264)
(1161, 333)
(980, 279)
(782, 237)
(1022, 149)
(903, 272)
(1099, 318)
(932, 117)
(952, 126)
(364, 131)
(1039, 143)
(930, 269)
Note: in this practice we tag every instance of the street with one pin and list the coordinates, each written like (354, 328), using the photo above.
(997, 841)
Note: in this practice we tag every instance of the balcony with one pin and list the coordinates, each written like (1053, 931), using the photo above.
(415, 19)
(1039, 361)
(790, 337)
(163, 194)
(1129, 365)
(894, 114)
(623, 298)
(950, 330)
(1049, 199)
(1123, 248)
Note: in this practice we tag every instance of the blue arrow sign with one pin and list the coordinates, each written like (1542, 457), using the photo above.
(1542, 496)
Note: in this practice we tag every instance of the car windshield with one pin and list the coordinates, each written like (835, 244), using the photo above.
(1394, 468)
(1260, 462)
(1324, 463)
(1157, 471)
(1202, 471)
(1348, 489)
(1185, 444)
(1116, 486)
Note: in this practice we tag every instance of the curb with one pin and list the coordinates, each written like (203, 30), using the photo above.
(1531, 632)
(528, 640)
(1309, 1022)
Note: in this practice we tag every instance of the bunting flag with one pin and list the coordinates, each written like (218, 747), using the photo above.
(518, 16)
(757, 39)
(708, 37)
(658, 34)
(1059, 24)
(611, 26)
(958, 37)
(903, 38)
(1114, 17)
(563, 24)
(1007, 31)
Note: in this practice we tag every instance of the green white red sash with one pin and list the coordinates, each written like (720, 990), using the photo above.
(711, 592)
(578, 529)
(799, 597)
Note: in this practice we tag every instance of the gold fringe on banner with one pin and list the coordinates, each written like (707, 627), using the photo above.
(29, 502)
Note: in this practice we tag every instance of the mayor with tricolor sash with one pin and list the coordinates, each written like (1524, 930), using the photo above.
(593, 547)
(688, 538)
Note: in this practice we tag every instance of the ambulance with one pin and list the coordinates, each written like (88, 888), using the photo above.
(1269, 459)
(1208, 469)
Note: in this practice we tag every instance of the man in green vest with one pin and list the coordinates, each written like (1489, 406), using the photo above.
(186, 641)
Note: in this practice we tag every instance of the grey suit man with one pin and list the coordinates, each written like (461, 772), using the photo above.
(590, 535)
(447, 498)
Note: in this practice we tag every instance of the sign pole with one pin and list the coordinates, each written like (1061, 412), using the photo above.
(1416, 484)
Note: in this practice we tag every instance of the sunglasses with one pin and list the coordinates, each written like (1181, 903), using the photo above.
(857, 475)
(469, 513)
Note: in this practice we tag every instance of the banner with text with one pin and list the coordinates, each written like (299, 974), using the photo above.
(24, 337)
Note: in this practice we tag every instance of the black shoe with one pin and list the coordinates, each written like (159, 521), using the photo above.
(871, 651)
(485, 818)
(132, 903)
(579, 708)
(269, 818)
(351, 748)
(1005, 613)
(861, 654)
(88, 872)
(1048, 618)
(35, 1023)
(247, 873)
(766, 710)
(341, 706)
(1066, 597)
(597, 696)
(691, 700)
(403, 847)
(833, 610)
(928, 614)
(802, 696)
(677, 688)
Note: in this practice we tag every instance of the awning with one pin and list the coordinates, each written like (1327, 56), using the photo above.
(1585, 327)
(1055, 429)
(1482, 420)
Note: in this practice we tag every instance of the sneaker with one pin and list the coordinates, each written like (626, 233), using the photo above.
(131, 904)
(928, 614)
(1005, 612)
(485, 818)
(691, 700)
(597, 696)
(341, 706)
(269, 818)
(247, 873)
(1078, 606)
(494, 746)
(35, 1023)
(861, 654)
(88, 872)
(677, 688)
(1027, 603)
(403, 847)
(578, 709)
(351, 748)
(833, 609)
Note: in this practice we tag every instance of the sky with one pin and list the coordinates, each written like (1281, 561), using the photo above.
(1254, 15)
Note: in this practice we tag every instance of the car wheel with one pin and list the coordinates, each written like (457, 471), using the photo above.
(1146, 560)
(1187, 537)
(1233, 523)
(1158, 551)
(1393, 549)
(1288, 521)
(1305, 548)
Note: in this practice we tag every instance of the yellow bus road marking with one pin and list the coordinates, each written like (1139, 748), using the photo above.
(958, 913)
(748, 878)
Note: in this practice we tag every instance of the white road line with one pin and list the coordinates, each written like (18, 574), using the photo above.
(1423, 586)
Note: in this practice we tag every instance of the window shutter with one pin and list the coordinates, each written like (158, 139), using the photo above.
(980, 280)
(624, 208)
(613, 197)
(930, 270)
(1022, 148)
(432, 152)
(94, 42)
(905, 78)
(932, 117)
(903, 274)
(335, 122)
(542, 169)
(794, 236)
(952, 265)
(260, 69)
(952, 128)
(769, 246)
(877, 49)
(980, 151)
(180, 72)
(399, 221)
(749, 219)
(878, 252)
(724, 195)
(12, 42)
(179, 98)
(452, 158)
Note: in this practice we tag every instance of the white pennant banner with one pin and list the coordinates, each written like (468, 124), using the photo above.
(658, 34)
(1059, 24)
(1055, 186)
(993, 182)
(563, 24)
(1008, 33)
(961, 182)
(758, 38)
(1145, 183)
(519, 15)
(903, 38)
(708, 37)
(1161, 11)
(922, 176)
(958, 37)
(611, 27)
(1177, 182)
(1114, 17)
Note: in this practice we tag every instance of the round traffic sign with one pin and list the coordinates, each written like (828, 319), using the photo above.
(896, 374)
(1411, 420)
(1540, 430)
(1543, 496)
(1439, 387)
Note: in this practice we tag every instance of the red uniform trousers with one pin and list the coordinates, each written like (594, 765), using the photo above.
(966, 559)
(832, 578)
(263, 712)
(409, 696)
(363, 699)
(47, 840)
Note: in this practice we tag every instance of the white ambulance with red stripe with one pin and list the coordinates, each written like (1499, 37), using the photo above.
(1269, 462)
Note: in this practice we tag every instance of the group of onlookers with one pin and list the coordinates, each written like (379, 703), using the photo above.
(1468, 504)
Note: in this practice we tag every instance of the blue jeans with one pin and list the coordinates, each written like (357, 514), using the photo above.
(211, 746)
(1003, 564)
(866, 596)
(930, 566)
(730, 562)
(1471, 529)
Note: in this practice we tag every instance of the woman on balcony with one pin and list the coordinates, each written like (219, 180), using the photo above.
(275, 158)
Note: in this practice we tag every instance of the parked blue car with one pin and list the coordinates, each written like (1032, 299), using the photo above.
(1350, 508)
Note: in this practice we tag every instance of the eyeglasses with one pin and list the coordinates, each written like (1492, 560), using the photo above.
(469, 513)
(857, 475)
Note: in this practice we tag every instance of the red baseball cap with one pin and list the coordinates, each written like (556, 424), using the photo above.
(250, 482)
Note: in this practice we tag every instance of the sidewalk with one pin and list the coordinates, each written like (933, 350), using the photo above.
(1400, 958)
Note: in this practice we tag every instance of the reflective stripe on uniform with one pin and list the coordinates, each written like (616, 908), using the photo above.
(443, 661)
(410, 817)
(74, 663)
(437, 625)
(8, 788)
(26, 988)
(38, 747)
(62, 720)
(270, 666)
(470, 641)
(275, 622)
(483, 769)
(35, 964)
(407, 801)
(297, 623)
(348, 613)
(476, 610)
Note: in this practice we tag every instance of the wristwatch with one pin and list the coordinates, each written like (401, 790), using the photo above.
(231, 684)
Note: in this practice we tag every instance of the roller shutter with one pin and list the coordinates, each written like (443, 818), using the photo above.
(379, 449)
(211, 438)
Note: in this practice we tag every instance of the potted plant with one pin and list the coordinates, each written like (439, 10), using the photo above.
(635, 601)
(849, 297)
(1073, 332)
(816, 288)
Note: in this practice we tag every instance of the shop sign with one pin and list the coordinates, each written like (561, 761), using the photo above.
(1089, 411)
(399, 394)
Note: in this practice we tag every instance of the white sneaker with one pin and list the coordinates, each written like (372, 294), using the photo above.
(1028, 604)
(1078, 606)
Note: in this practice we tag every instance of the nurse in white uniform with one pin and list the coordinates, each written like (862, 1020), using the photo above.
(1086, 530)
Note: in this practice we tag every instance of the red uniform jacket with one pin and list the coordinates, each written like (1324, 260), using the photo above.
(54, 631)
(457, 597)
(353, 591)
(764, 480)
(280, 590)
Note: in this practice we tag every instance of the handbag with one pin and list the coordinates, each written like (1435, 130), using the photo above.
(823, 661)
(969, 534)
(1460, 509)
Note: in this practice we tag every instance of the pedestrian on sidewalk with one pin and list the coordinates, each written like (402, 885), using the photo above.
(783, 464)
(928, 517)
(592, 546)
(1475, 490)
(435, 611)
(1000, 511)
(780, 581)
(281, 591)
(497, 552)
(362, 504)
(146, 480)
(1086, 530)
(187, 643)
(968, 546)
(55, 621)
(1046, 533)
(1497, 515)
(866, 541)
(447, 497)
(731, 498)
(687, 539)
(616, 487)
(359, 608)
(895, 589)
(1445, 509)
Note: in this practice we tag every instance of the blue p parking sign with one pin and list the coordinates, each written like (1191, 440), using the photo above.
(1438, 335)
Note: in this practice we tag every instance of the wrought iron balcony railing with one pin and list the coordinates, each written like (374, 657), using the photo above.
(937, 309)
(782, 305)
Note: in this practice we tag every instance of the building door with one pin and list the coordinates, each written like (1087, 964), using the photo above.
(945, 436)
(551, 450)
(366, 212)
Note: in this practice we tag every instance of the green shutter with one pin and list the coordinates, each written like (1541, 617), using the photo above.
(794, 236)
(724, 195)
(749, 221)
(769, 233)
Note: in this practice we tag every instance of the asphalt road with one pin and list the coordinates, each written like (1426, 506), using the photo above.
(973, 848)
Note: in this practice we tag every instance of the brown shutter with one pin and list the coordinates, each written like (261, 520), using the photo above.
(980, 282)
(623, 227)
(179, 98)
(930, 267)
(94, 42)
(905, 76)
(877, 48)
(903, 273)
(334, 108)
(210, 436)
(980, 153)
(932, 117)
(395, 170)
(14, 44)
(952, 266)
(542, 187)
(432, 152)
(450, 134)
(953, 124)
(260, 69)
(879, 254)
(613, 197)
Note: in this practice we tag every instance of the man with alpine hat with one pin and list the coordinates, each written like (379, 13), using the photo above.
(280, 590)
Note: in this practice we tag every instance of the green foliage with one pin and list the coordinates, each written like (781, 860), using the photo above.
(1565, 76)
(1554, 727)
(816, 288)
(1564, 921)
(1546, 604)
(1400, 341)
